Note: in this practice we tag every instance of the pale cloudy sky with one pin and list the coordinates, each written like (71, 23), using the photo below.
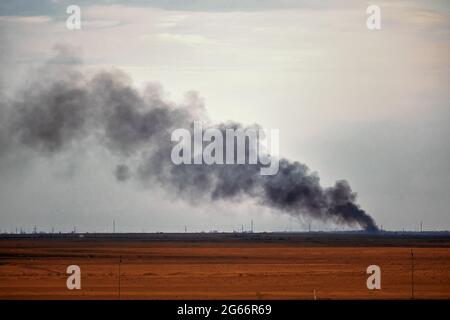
(371, 107)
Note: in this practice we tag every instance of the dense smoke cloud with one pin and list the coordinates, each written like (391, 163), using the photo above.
(62, 106)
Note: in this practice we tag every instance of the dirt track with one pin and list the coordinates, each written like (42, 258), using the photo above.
(35, 269)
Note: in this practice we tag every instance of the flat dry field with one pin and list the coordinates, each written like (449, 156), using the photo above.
(36, 269)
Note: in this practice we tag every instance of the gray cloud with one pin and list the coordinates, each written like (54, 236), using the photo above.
(122, 172)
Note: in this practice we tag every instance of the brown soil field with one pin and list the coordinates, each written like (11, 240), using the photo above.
(36, 269)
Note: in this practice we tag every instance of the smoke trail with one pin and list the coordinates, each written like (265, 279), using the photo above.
(50, 115)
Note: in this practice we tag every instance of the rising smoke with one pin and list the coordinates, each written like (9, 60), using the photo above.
(63, 106)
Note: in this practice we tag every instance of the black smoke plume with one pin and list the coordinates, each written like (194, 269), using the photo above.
(62, 106)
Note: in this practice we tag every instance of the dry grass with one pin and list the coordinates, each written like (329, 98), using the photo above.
(35, 269)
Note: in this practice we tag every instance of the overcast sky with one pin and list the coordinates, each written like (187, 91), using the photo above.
(368, 106)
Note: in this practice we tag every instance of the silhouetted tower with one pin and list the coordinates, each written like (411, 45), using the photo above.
(421, 226)
(185, 229)
(251, 228)
(34, 229)
(114, 226)
(309, 227)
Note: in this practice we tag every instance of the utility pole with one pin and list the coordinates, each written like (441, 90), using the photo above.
(185, 229)
(251, 228)
(120, 262)
(412, 274)
(114, 226)
(421, 226)
(309, 227)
